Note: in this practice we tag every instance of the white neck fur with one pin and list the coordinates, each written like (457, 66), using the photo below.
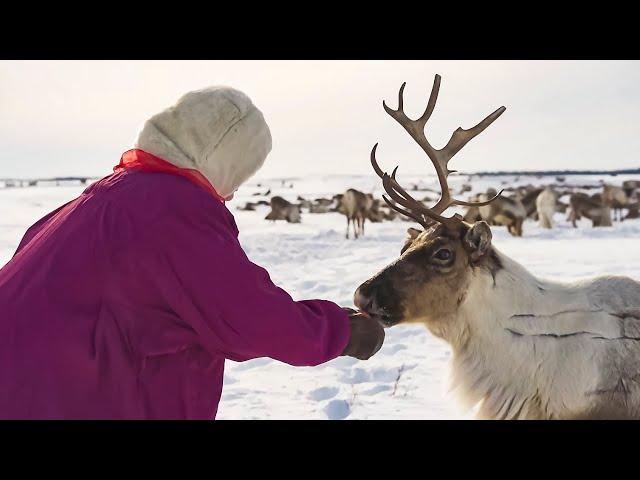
(506, 340)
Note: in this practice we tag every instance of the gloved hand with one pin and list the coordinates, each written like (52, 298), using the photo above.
(367, 336)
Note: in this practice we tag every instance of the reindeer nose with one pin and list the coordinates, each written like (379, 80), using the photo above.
(361, 300)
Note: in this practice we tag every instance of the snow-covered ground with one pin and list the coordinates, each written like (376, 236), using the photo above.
(407, 378)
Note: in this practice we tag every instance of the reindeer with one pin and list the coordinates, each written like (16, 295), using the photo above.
(303, 202)
(546, 205)
(282, 209)
(582, 205)
(615, 198)
(355, 206)
(387, 212)
(633, 211)
(561, 207)
(523, 347)
(247, 207)
(630, 187)
(505, 211)
(321, 205)
(528, 196)
(375, 214)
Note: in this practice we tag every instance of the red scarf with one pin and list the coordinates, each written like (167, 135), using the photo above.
(141, 160)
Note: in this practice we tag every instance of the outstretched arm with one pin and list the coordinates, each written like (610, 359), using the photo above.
(238, 311)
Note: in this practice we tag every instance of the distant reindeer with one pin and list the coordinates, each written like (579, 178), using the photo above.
(582, 205)
(561, 207)
(546, 207)
(388, 213)
(615, 198)
(282, 209)
(472, 215)
(321, 205)
(523, 347)
(634, 211)
(505, 211)
(375, 213)
(630, 187)
(248, 207)
(464, 188)
(527, 197)
(355, 206)
(303, 202)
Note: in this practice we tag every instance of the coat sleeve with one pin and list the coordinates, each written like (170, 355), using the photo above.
(234, 306)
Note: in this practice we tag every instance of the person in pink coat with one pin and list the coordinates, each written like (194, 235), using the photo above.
(125, 302)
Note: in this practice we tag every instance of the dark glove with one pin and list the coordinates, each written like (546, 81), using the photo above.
(367, 336)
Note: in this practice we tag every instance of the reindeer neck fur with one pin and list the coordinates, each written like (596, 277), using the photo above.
(525, 347)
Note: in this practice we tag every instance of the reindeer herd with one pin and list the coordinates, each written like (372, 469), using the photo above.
(540, 203)
(601, 204)
(356, 206)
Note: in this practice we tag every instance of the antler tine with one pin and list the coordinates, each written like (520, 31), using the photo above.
(397, 193)
(401, 191)
(476, 204)
(374, 162)
(407, 200)
(395, 186)
(400, 97)
(433, 97)
(400, 109)
(461, 137)
(421, 220)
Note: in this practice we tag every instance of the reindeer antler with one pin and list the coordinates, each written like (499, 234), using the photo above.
(439, 158)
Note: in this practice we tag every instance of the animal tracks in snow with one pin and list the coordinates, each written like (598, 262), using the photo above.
(337, 409)
(323, 393)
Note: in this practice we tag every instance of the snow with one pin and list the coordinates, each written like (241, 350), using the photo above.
(407, 379)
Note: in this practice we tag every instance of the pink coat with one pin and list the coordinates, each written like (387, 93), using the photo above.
(125, 302)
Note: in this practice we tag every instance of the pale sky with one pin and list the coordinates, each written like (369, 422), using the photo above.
(77, 117)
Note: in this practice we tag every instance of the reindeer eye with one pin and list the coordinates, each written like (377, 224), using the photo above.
(443, 254)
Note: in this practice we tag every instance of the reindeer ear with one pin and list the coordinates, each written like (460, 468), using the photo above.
(478, 239)
(412, 233)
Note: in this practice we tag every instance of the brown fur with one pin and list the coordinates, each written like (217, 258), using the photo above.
(505, 211)
(634, 211)
(630, 187)
(582, 205)
(375, 213)
(282, 209)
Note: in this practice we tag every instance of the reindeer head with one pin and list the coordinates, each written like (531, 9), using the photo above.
(429, 280)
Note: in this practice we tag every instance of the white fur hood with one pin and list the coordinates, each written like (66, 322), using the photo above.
(217, 131)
